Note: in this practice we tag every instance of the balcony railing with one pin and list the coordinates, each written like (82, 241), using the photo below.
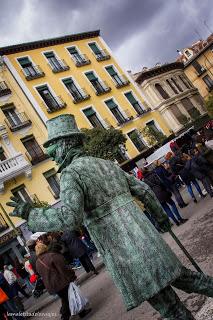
(102, 55)
(13, 167)
(58, 66)
(100, 87)
(38, 156)
(108, 125)
(121, 81)
(128, 118)
(80, 96)
(32, 72)
(54, 104)
(80, 59)
(3, 224)
(141, 112)
(21, 121)
(4, 90)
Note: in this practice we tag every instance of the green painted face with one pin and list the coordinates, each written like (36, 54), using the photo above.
(51, 151)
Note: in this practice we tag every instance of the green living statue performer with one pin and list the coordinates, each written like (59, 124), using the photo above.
(98, 194)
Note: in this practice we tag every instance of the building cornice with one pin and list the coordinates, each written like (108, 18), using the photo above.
(156, 71)
(48, 42)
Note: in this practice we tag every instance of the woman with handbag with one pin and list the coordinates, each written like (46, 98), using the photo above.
(57, 277)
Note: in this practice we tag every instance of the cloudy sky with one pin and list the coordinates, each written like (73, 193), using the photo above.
(140, 32)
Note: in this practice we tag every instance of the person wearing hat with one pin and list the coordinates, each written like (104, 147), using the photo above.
(98, 194)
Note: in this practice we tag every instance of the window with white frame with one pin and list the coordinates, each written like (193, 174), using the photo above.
(21, 193)
(30, 70)
(56, 64)
(77, 93)
(100, 54)
(118, 79)
(52, 102)
(113, 107)
(135, 103)
(79, 58)
(136, 139)
(93, 118)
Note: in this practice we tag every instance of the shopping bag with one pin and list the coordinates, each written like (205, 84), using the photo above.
(77, 302)
(3, 296)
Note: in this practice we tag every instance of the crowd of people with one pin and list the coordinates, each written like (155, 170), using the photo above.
(190, 164)
(49, 265)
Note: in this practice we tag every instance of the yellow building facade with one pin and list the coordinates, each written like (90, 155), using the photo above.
(199, 69)
(74, 74)
(78, 74)
(24, 174)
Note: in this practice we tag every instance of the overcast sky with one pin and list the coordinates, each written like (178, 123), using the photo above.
(140, 32)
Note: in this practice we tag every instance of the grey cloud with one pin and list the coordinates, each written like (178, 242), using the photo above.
(139, 32)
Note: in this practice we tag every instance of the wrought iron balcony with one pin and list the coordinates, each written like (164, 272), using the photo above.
(3, 224)
(80, 95)
(4, 90)
(100, 87)
(141, 112)
(80, 59)
(126, 119)
(33, 72)
(58, 65)
(54, 104)
(107, 123)
(102, 55)
(38, 156)
(121, 81)
(13, 167)
(19, 122)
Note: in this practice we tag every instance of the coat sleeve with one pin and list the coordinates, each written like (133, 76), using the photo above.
(69, 215)
(143, 193)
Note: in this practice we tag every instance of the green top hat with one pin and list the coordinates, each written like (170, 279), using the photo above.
(60, 127)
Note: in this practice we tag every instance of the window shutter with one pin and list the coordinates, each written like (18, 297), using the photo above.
(72, 50)
(130, 97)
(111, 104)
(94, 48)
(24, 62)
(49, 173)
(42, 88)
(89, 112)
(49, 54)
(90, 76)
(67, 81)
(111, 71)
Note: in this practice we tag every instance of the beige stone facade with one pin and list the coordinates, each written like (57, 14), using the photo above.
(168, 90)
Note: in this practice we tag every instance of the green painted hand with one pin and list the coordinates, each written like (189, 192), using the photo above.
(21, 208)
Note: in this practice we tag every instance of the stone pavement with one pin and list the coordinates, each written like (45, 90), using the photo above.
(197, 237)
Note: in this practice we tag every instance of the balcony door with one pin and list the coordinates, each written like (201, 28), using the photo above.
(73, 89)
(12, 116)
(114, 75)
(48, 97)
(33, 148)
(53, 61)
(27, 66)
(95, 82)
(21, 193)
(93, 118)
(76, 55)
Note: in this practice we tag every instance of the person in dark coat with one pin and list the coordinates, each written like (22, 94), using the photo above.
(189, 180)
(78, 250)
(170, 182)
(199, 170)
(164, 196)
(56, 276)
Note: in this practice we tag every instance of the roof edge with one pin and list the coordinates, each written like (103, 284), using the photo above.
(158, 70)
(48, 42)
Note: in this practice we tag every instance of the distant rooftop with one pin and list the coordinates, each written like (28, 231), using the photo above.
(139, 77)
(48, 42)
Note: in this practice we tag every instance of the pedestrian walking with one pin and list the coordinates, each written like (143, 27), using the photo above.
(99, 194)
(164, 196)
(78, 250)
(170, 181)
(57, 277)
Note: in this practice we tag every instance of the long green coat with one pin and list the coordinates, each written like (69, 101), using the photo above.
(98, 193)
